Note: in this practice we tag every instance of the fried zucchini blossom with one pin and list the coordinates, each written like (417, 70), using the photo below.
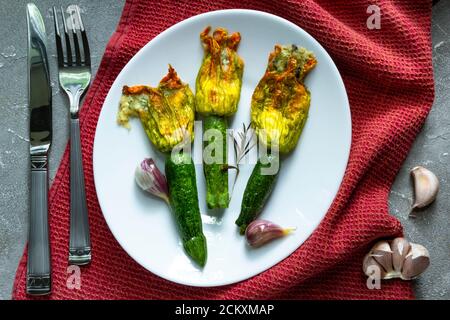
(218, 90)
(167, 116)
(219, 80)
(280, 102)
(166, 112)
(279, 109)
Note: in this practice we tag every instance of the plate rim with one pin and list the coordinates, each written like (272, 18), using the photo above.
(174, 28)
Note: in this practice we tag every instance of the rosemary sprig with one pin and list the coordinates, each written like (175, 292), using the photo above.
(242, 146)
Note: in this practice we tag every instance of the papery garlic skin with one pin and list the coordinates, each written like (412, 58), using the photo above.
(417, 260)
(400, 248)
(426, 187)
(149, 178)
(260, 232)
(382, 253)
(370, 265)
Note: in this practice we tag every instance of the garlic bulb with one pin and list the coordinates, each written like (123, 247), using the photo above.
(396, 259)
(426, 187)
(261, 231)
(150, 179)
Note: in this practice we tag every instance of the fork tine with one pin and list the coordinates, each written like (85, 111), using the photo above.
(77, 48)
(87, 53)
(58, 41)
(73, 26)
(66, 36)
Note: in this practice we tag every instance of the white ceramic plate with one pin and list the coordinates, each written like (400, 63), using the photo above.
(309, 177)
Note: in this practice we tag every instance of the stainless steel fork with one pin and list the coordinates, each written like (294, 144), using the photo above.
(75, 77)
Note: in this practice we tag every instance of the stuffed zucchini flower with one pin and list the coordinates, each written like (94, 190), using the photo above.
(219, 80)
(167, 116)
(280, 102)
(218, 90)
(166, 112)
(280, 105)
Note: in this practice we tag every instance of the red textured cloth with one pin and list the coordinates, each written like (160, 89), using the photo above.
(389, 79)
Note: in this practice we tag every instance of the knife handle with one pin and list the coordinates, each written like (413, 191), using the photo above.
(38, 266)
(80, 242)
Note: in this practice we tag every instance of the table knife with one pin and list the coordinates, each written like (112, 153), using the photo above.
(40, 105)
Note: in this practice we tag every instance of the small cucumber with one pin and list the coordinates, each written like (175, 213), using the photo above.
(258, 189)
(180, 173)
(215, 175)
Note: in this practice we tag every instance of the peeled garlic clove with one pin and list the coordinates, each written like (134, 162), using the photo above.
(151, 179)
(400, 248)
(370, 266)
(382, 253)
(261, 231)
(416, 262)
(426, 187)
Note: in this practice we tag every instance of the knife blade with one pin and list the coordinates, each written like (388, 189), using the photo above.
(40, 104)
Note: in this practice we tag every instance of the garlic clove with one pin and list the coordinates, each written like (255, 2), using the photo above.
(382, 253)
(149, 178)
(400, 248)
(416, 262)
(370, 266)
(260, 232)
(426, 187)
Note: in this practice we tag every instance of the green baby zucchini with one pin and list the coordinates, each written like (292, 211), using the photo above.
(215, 175)
(258, 189)
(180, 172)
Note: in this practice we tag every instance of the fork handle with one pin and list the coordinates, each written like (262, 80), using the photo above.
(80, 242)
(38, 265)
